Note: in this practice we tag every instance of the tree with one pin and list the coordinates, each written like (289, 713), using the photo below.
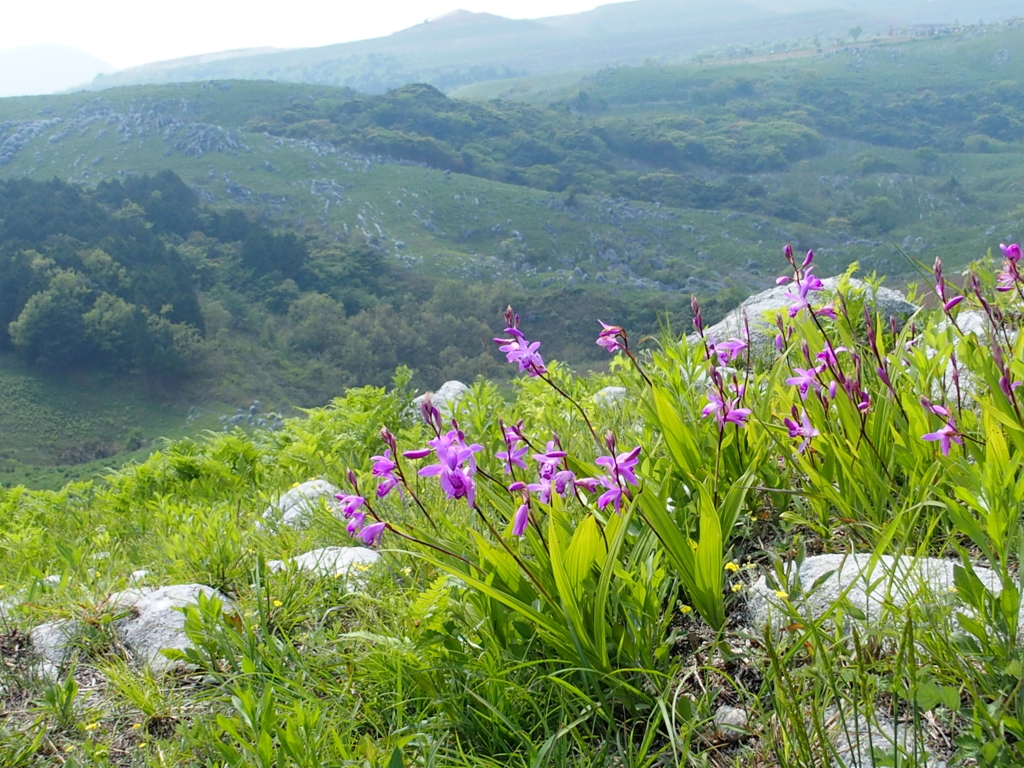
(50, 330)
(855, 33)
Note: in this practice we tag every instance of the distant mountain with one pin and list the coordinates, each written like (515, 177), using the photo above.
(461, 47)
(40, 69)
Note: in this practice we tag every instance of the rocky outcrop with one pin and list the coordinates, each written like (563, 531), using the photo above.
(297, 505)
(445, 398)
(350, 563)
(761, 309)
(875, 587)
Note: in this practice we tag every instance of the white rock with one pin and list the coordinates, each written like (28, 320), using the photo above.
(297, 505)
(51, 643)
(53, 580)
(730, 722)
(446, 398)
(138, 575)
(857, 740)
(762, 308)
(349, 562)
(610, 396)
(892, 583)
(154, 624)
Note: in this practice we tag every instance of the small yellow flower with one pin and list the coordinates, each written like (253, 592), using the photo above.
(782, 594)
(136, 726)
(296, 485)
(406, 571)
(684, 609)
(92, 726)
(732, 567)
(953, 590)
(69, 748)
(278, 603)
(737, 587)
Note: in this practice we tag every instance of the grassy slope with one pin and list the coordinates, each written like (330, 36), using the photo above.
(324, 192)
(76, 426)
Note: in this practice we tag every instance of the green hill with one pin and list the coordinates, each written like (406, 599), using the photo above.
(411, 218)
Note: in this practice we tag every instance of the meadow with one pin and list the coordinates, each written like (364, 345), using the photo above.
(568, 578)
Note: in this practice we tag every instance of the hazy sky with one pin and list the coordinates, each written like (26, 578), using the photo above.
(129, 32)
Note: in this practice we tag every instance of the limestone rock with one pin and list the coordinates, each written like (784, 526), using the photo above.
(446, 398)
(154, 622)
(297, 505)
(730, 722)
(762, 308)
(610, 396)
(858, 740)
(349, 562)
(876, 591)
(51, 642)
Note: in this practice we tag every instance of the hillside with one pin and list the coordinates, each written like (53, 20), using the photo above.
(464, 47)
(615, 196)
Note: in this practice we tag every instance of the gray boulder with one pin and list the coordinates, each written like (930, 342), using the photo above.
(876, 590)
(155, 622)
(762, 308)
(350, 562)
(297, 505)
(446, 398)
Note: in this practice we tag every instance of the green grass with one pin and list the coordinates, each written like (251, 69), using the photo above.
(76, 426)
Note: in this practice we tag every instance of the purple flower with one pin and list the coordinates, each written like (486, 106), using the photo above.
(521, 520)
(384, 467)
(553, 454)
(611, 496)
(1008, 386)
(802, 429)
(725, 411)
(622, 466)
(828, 355)
(1011, 252)
(952, 303)
(564, 481)
(805, 379)
(519, 350)
(727, 351)
(938, 410)
(371, 534)
(513, 457)
(611, 337)
(588, 484)
(355, 523)
(804, 285)
(456, 464)
(780, 343)
(542, 489)
(945, 436)
(349, 503)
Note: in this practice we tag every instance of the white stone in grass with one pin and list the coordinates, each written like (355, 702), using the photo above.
(137, 576)
(610, 396)
(297, 505)
(762, 308)
(858, 740)
(445, 398)
(877, 590)
(155, 621)
(332, 562)
(51, 642)
(731, 723)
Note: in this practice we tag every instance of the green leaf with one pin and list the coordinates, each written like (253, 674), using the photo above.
(396, 760)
